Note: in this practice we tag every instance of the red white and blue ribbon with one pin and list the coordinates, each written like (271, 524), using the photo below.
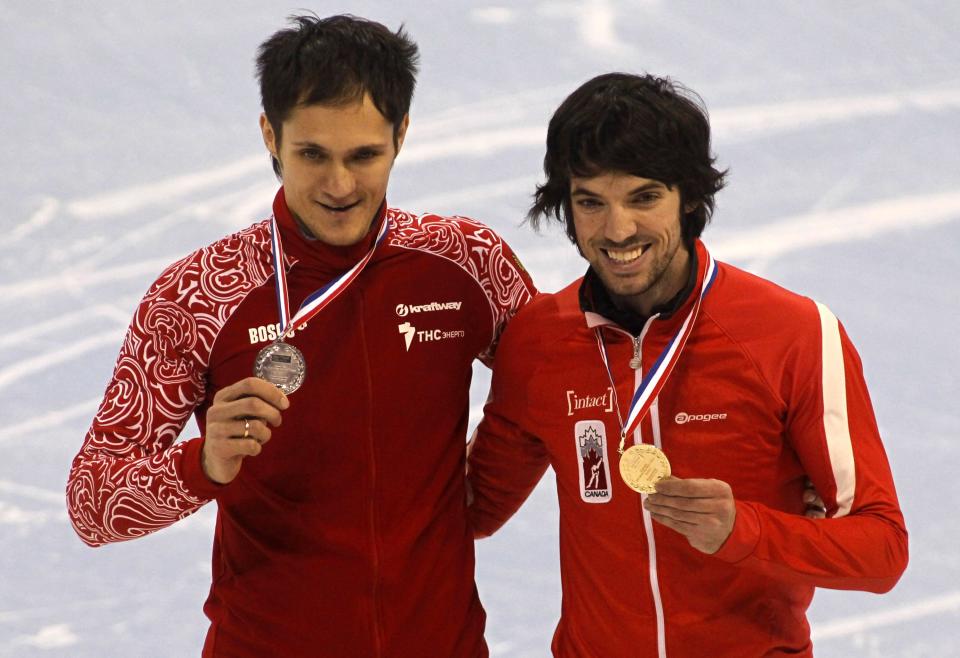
(318, 299)
(655, 378)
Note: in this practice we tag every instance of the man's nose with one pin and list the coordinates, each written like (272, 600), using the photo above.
(340, 183)
(620, 225)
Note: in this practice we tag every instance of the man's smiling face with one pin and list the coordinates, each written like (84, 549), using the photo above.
(335, 162)
(628, 228)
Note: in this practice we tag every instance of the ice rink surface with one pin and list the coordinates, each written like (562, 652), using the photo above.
(130, 134)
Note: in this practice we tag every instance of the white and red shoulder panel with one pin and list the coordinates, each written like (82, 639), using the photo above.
(477, 249)
(127, 479)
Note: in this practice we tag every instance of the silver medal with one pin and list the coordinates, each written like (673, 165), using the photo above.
(282, 365)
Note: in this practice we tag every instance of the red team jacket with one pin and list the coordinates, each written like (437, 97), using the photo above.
(768, 391)
(347, 535)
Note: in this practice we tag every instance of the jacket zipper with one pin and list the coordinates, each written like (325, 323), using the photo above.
(636, 362)
(647, 521)
(375, 555)
(652, 547)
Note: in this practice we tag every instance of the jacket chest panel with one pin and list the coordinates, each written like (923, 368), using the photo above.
(394, 320)
(718, 420)
(714, 419)
(575, 405)
(376, 356)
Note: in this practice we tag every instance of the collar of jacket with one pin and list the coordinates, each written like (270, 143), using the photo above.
(599, 309)
(324, 259)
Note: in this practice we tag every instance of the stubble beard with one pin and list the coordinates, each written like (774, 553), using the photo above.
(627, 291)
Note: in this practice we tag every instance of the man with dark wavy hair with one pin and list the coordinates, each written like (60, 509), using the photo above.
(682, 403)
(327, 354)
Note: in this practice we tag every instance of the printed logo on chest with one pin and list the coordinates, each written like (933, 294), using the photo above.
(403, 310)
(418, 333)
(269, 332)
(683, 417)
(412, 334)
(578, 402)
(590, 438)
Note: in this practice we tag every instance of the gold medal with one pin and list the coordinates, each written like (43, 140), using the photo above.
(642, 466)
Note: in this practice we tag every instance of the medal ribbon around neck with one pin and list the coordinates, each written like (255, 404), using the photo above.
(656, 376)
(318, 299)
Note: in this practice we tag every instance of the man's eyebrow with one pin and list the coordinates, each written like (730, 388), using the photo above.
(380, 146)
(319, 147)
(645, 187)
(309, 144)
(582, 191)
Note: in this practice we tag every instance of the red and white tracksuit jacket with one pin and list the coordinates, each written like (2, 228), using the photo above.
(348, 534)
(768, 391)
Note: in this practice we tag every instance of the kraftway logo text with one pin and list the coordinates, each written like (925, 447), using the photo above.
(403, 310)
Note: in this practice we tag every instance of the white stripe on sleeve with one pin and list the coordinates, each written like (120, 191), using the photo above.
(836, 425)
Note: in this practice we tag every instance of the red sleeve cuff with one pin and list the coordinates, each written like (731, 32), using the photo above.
(744, 537)
(195, 480)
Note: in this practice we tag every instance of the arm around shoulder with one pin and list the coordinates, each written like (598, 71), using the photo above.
(505, 460)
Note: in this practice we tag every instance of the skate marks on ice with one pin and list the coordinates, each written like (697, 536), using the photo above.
(478, 129)
(948, 603)
(481, 129)
(15, 516)
(845, 224)
(51, 420)
(54, 636)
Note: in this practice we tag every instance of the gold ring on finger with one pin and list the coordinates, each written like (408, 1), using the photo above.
(246, 429)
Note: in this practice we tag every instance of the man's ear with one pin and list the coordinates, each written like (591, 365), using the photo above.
(269, 136)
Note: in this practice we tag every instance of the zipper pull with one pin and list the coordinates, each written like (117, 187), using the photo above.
(635, 361)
